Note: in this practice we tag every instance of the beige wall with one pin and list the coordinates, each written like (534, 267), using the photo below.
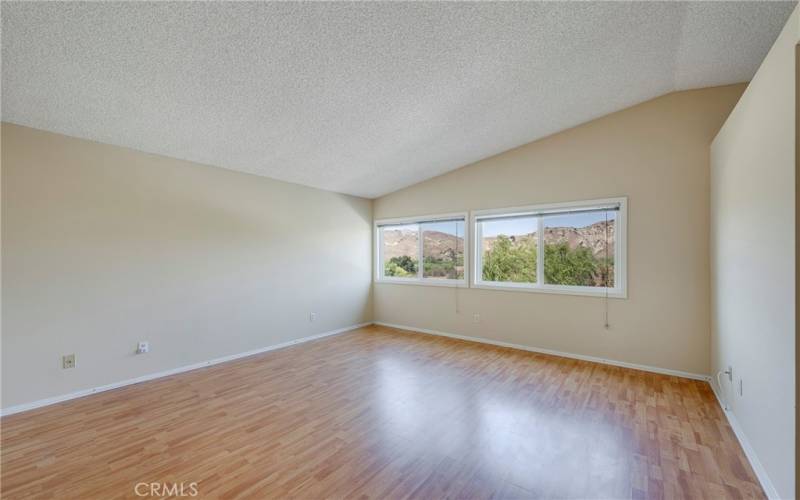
(104, 246)
(657, 154)
(753, 259)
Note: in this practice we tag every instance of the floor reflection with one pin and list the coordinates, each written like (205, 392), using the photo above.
(513, 435)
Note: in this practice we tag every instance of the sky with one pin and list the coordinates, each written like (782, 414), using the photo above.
(450, 227)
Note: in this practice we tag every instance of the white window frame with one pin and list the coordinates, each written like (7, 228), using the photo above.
(620, 289)
(419, 280)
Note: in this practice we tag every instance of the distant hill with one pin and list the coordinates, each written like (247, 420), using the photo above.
(437, 244)
(592, 237)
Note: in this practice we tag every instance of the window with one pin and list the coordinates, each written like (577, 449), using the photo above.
(576, 248)
(429, 250)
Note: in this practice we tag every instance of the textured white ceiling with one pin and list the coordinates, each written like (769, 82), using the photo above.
(360, 98)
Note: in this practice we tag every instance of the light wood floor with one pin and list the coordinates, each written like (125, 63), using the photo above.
(382, 413)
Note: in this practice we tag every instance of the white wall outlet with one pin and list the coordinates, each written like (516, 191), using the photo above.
(143, 347)
(476, 318)
(312, 317)
(68, 361)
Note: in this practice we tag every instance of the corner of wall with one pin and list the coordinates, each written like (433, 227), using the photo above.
(372, 265)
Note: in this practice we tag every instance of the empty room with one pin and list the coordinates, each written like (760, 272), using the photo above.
(389, 250)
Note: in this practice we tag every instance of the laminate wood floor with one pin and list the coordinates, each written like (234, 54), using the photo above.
(383, 413)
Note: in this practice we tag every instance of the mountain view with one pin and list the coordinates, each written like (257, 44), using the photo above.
(582, 256)
(592, 237)
(398, 242)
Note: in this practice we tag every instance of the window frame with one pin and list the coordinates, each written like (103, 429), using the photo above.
(420, 280)
(620, 289)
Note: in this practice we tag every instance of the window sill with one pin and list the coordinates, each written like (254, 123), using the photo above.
(444, 283)
(585, 292)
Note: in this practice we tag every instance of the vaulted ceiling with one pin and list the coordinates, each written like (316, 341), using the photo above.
(359, 98)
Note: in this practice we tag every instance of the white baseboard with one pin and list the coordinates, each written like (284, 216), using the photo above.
(613, 362)
(144, 378)
(750, 453)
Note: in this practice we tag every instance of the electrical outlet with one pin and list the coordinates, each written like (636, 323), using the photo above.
(143, 347)
(68, 361)
(476, 318)
(312, 317)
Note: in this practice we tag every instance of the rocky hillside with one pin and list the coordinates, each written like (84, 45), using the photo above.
(592, 237)
(437, 244)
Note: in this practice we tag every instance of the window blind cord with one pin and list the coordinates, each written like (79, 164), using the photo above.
(605, 301)
(455, 288)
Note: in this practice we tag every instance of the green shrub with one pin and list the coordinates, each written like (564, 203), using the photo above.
(509, 260)
(565, 266)
(514, 261)
(400, 266)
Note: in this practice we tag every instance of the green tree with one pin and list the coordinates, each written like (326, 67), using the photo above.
(565, 266)
(605, 272)
(510, 260)
(448, 265)
(401, 266)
